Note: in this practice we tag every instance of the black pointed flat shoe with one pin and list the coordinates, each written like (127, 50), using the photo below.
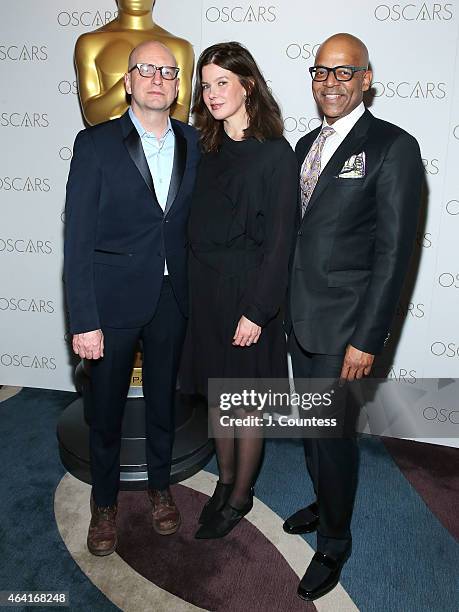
(216, 502)
(223, 521)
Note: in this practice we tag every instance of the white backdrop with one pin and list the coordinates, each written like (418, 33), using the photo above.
(414, 50)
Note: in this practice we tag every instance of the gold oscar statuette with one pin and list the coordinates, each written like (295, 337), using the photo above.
(101, 59)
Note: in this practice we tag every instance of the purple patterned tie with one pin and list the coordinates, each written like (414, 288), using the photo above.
(310, 171)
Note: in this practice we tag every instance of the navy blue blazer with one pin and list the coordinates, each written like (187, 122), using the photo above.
(117, 236)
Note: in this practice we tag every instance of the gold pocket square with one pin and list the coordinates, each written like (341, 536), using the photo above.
(354, 167)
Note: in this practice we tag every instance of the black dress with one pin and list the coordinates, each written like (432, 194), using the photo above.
(240, 236)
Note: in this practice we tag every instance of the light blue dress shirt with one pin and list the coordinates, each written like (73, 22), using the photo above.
(160, 158)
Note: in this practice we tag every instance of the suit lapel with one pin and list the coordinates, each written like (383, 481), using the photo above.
(178, 168)
(134, 147)
(351, 145)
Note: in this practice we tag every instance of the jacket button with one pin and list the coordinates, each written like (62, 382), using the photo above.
(300, 233)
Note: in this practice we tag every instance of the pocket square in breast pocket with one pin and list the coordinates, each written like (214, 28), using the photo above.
(354, 167)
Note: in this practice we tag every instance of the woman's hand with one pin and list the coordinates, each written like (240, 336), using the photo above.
(247, 333)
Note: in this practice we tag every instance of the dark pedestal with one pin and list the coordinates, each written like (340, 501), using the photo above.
(192, 447)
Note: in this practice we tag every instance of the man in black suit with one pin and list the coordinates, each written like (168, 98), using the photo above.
(128, 198)
(360, 182)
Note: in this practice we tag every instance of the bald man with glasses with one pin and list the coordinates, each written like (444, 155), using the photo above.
(128, 198)
(360, 192)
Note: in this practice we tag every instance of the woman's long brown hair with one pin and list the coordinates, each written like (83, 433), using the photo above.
(265, 119)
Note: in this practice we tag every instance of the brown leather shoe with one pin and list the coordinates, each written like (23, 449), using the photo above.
(102, 538)
(164, 512)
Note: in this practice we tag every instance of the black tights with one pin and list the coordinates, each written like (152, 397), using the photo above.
(238, 457)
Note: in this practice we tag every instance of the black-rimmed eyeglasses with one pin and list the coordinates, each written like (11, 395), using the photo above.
(341, 73)
(149, 70)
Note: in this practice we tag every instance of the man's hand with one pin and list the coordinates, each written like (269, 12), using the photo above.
(356, 364)
(89, 345)
(247, 333)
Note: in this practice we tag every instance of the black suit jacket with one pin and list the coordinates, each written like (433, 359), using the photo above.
(355, 240)
(116, 234)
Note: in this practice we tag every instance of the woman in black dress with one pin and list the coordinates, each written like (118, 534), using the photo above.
(240, 235)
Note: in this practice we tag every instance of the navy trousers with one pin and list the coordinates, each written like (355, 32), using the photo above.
(162, 339)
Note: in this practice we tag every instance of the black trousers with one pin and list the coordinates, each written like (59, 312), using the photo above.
(162, 340)
(332, 462)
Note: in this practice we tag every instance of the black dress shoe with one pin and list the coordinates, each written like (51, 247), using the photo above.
(321, 576)
(223, 521)
(216, 502)
(305, 520)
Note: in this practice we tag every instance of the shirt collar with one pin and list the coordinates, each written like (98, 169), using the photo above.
(344, 125)
(143, 132)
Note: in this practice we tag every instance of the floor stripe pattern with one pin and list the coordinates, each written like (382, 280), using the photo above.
(405, 556)
(255, 568)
